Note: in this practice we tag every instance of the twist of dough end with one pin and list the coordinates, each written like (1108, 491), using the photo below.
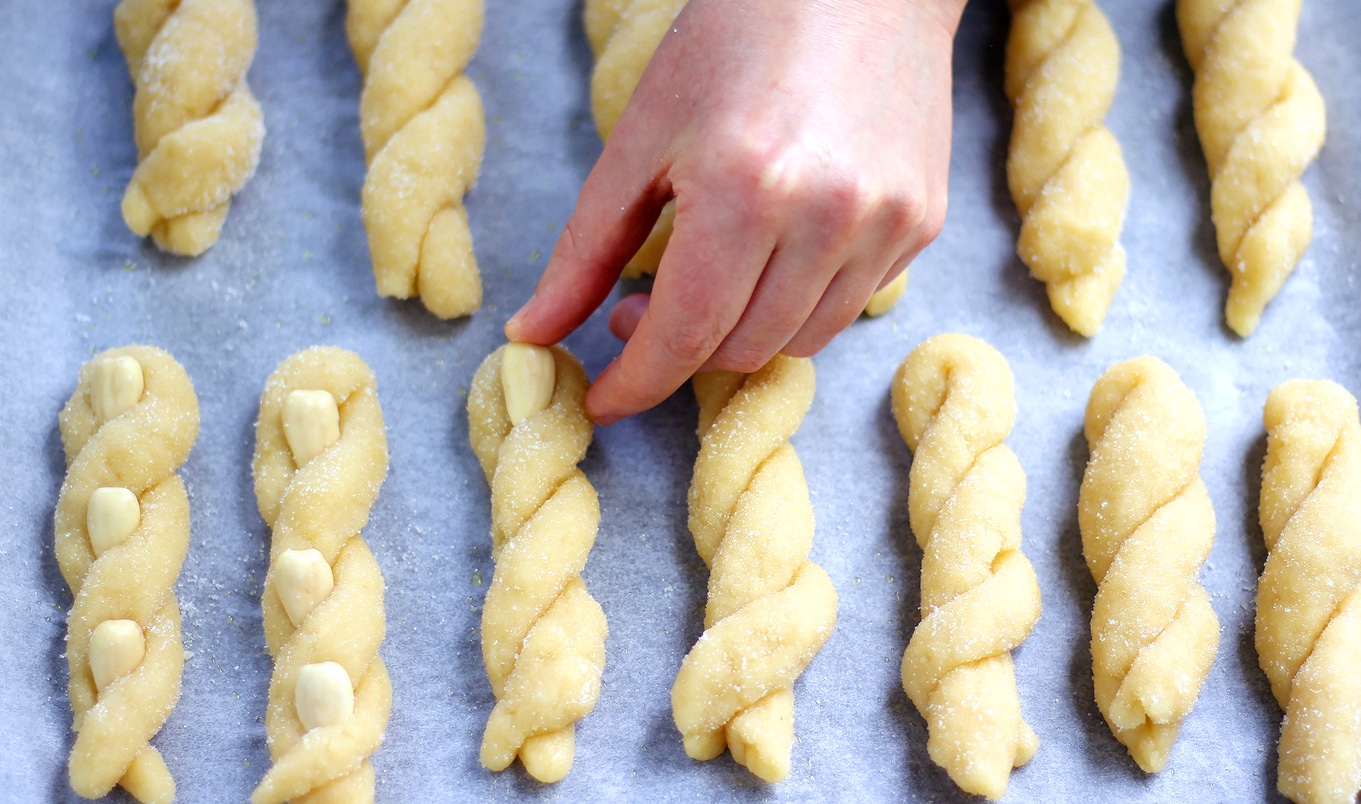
(1261, 121)
(954, 403)
(424, 135)
(1147, 526)
(1064, 167)
(770, 609)
(199, 130)
(122, 533)
(543, 635)
(1309, 597)
(320, 459)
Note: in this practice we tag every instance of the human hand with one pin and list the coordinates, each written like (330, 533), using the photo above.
(806, 145)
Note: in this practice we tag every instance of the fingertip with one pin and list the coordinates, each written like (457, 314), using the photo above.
(626, 315)
(597, 411)
(514, 328)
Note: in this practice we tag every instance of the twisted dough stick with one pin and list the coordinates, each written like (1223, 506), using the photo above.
(1147, 526)
(197, 125)
(1261, 122)
(543, 635)
(323, 595)
(623, 35)
(1064, 167)
(953, 400)
(423, 129)
(770, 609)
(1309, 598)
(129, 425)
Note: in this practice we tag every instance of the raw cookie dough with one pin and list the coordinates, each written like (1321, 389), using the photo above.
(1147, 525)
(122, 532)
(197, 125)
(422, 124)
(320, 458)
(1261, 122)
(543, 635)
(769, 608)
(623, 35)
(1309, 597)
(1064, 167)
(954, 402)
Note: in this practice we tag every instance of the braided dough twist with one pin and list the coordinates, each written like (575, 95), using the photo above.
(1064, 167)
(1309, 597)
(543, 635)
(422, 123)
(624, 34)
(322, 505)
(769, 609)
(954, 403)
(1261, 122)
(197, 125)
(1147, 525)
(137, 450)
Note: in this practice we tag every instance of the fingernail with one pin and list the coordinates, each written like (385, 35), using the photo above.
(606, 421)
(513, 325)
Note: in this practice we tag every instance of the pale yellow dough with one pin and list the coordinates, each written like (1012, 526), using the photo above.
(323, 505)
(1261, 122)
(623, 35)
(1309, 597)
(422, 123)
(1147, 526)
(197, 125)
(137, 450)
(543, 635)
(769, 608)
(1064, 167)
(954, 403)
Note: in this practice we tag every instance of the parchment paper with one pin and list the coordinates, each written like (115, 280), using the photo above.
(292, 270)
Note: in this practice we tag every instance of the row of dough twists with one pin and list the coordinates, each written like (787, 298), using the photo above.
(1144, 513)
(1259, 114)
(199, 132)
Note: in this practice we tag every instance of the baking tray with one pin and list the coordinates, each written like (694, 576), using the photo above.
(292, 270)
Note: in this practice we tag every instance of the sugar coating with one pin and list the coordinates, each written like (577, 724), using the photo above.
(770, 609)
(1261, 122)
(1064, 167)
(424, 134)
(543, 635)
(1309, 596)
(198, 127)
(1147, 526)
(324, 505)
(139, 450)
(954, 404)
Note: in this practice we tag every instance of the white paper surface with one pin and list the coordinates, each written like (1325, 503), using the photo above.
(292, 270)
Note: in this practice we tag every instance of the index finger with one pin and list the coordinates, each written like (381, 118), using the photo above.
(705, 280)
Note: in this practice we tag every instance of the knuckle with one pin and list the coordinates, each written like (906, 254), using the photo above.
(690, 343)
(933, 221)
(741, 358)
(906, 215)
(805, 345)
